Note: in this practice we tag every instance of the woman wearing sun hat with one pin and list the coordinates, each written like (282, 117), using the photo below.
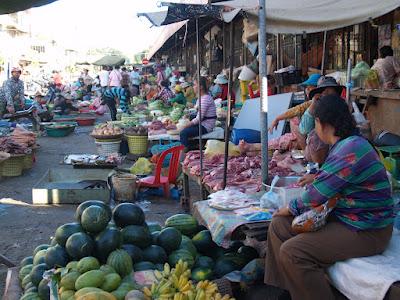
(297, 111)
(222, 81)
(188, 92)
(179, 97)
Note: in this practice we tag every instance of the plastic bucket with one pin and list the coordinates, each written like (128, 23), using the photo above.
(124, 185)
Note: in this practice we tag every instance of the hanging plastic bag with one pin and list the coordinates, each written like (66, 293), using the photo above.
(214, 147)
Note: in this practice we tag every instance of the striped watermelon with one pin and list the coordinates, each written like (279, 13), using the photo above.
(185, 223)
(120, 261)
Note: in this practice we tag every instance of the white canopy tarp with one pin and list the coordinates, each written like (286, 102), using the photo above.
(166, 33)
(299, 16)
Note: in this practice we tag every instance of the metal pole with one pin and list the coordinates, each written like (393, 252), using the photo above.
(209, 66)
(228, 115)
(348, 82)
(323, 55)
(262, 42)
(199, 101)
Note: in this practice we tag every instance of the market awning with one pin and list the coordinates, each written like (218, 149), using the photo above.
(166, 33)
(299, 16)
(180, 12)
(110, 61)
(10, 6)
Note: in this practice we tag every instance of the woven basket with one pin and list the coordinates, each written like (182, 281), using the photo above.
(13, 166)
(107, 148)
(28, 161)
(224, 286)
(138, 145)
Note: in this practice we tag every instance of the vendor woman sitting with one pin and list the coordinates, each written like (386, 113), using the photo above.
(360, 223)
(179, 97)
(208, 114)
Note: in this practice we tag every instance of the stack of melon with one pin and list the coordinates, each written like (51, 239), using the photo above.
(96, 254)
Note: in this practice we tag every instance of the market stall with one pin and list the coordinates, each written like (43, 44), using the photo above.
(133, 258)
(382, 108)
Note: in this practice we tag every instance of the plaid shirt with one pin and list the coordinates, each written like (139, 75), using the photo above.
(354, 171)
(14, 92)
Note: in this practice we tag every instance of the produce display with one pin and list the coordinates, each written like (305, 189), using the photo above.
(9, 145)
(177, 112)
(136, 131)
(97, 256)
(243, 172)
(156, 105)
(107, 130)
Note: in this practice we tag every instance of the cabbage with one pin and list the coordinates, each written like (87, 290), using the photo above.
(156, 105)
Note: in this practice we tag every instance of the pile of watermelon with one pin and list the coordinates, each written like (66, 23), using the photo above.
(98, 253)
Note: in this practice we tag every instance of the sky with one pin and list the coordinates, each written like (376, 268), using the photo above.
(85, 24)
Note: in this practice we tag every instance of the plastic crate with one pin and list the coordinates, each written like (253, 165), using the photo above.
(288, 78)
(283, 189)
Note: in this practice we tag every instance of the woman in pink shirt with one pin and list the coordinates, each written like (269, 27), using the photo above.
(208, 114)
(115, 78)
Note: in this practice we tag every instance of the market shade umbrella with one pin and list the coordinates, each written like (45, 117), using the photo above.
(110, 61)
(10, 6)
(299, 16)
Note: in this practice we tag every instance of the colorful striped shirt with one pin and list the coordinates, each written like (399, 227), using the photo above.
(120, 93)
(354, 171)
(208, 113)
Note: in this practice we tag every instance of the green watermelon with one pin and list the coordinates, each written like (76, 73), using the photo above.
(79, 245)
(125, 214)
(235, 246)
(218, 252)
(88, 263)
(201, 273)
(170, 239)
(94, 219)
(134, 252)
(37, 273)
(154, 237)
(65, 231)
(155, 254)
(30, 296)
(44, 289)
(86, 204)
(204, 262)
(29, 285)
(26, 280)
(203, 241)
(40, 247)
(56, 256)
(120, 261)
(223, 267)
(185, 223)
(25, 270)
(144, 265)
(153, 226)
(53, 241)
(238, 260)
(106, 269)
(39, 257)
(187, 244)
(26, 261)
(185, 255)
(249, 253)
(136, 235)
(106, 242)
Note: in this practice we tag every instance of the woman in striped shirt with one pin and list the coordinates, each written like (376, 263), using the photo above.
(208, 114)
(360, 224)
(115, 95)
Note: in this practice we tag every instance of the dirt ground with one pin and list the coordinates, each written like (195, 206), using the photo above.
(23, 226)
